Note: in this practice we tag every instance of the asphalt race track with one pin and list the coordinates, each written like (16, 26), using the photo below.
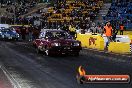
(32, 70)
(4, 81)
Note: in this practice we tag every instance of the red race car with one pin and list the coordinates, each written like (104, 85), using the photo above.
(54, 42)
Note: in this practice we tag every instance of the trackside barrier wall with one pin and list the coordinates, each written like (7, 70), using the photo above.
(97, 42)
(131, 48)
(91, 41)
(130, 36)
(123, 47)
(119, 38)
(119, 47)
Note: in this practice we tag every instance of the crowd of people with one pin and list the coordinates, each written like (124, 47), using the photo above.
(83, 12)
(80, 21)
(15, 9)
(120, 12)
(28, 33)
(75, 12)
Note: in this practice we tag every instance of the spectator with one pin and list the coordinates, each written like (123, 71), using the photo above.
(121, 29)
(30, 33)
(108, 33)
(72, 30)
(23, 32)
(94, 28)
(65, 28)
(99, 29)
(115, 31)
(35, 33)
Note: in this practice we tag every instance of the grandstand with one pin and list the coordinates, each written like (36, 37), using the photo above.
(120, 12)
(74, 11)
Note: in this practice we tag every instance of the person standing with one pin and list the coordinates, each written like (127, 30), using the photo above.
(121, 29)
(65, 28)
(114, 33)
(94, 28)
(23, 32)
(108, 32)
(72, 30)
(30, 33)
(99, 29)
(35, 33)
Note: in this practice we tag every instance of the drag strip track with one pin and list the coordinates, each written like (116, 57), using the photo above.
(38, 71)
(13, 81)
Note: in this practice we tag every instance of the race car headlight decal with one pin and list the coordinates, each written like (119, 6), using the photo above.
(76, 44)
(55, 44)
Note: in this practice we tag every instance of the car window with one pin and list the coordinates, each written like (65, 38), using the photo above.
(5, 30)
(57, 34)
(49, 35)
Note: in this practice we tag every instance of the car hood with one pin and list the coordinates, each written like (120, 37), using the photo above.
(64, 41)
